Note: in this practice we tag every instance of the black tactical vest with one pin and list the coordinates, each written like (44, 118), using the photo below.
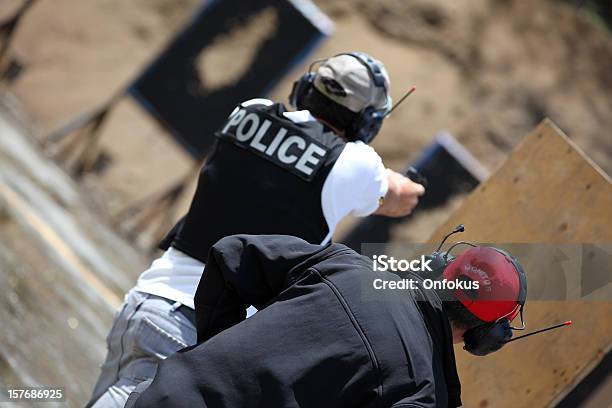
(264, 176)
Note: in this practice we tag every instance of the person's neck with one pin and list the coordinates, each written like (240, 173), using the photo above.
(335, 129)
(457, 333)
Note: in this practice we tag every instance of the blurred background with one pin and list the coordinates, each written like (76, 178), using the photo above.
(82, 208)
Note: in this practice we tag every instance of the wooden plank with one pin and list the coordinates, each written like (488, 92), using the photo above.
(547, 191)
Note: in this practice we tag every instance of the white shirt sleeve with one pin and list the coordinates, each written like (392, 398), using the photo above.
(255, 101)
(354, 185)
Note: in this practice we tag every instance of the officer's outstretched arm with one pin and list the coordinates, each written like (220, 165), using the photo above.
(244, 270)
(402, 195)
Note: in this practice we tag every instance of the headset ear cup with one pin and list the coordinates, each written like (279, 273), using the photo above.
(487, 338)
(438, 263)
(300, 88)
(366, 126)
(293, 94)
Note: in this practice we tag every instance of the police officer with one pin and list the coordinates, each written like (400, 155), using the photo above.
(322, 340)
(271, 171)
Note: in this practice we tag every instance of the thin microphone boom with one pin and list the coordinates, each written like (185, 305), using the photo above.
(541, 330)
(458, 228)
(395, 105)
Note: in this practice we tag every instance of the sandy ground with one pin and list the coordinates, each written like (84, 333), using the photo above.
(485, 70)
(63, 272)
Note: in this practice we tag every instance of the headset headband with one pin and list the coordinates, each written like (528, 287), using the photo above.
(522, 296)
(375, 72)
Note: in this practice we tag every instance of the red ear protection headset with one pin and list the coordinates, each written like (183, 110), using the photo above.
(499, 299)
(501, 295)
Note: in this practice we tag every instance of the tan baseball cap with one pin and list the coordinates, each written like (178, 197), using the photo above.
(347, 81)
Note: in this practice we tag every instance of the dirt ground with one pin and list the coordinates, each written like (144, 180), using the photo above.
(486, 70)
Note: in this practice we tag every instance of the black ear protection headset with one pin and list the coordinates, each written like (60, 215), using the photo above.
(370, 119)
(488, 337)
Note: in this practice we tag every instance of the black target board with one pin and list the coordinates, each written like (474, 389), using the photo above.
(230, 52)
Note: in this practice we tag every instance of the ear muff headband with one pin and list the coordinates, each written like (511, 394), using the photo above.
(373, 67)
(522, 296)
(377, 76)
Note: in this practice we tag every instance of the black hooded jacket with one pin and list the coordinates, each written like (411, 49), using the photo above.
(317, 340)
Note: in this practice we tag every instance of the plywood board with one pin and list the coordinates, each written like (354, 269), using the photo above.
(547, 191)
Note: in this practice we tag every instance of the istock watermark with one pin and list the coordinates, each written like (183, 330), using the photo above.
(421, 266)
(412, 284)
(554, 272)
(384, 263)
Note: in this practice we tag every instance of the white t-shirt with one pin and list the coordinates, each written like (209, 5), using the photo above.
(354, 186)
